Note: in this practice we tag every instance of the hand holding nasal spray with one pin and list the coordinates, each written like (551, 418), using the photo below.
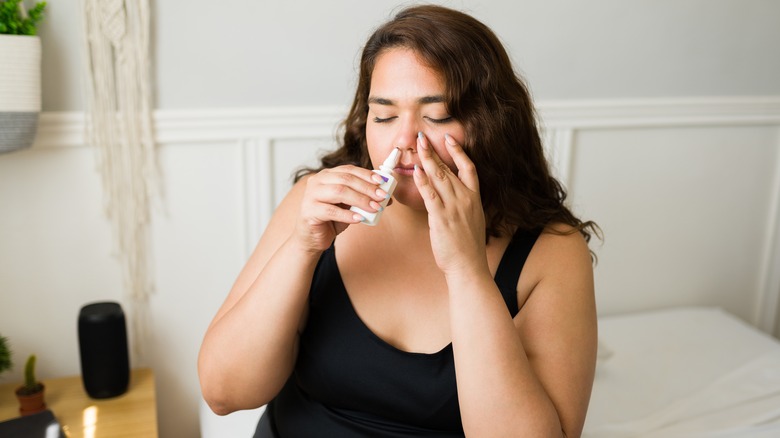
(386, 172)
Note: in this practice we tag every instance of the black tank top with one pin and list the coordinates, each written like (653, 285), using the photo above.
(348, 382)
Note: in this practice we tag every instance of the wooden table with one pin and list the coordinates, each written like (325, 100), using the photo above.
(132, 414)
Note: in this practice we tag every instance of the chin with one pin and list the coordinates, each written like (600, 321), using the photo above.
(410, 198)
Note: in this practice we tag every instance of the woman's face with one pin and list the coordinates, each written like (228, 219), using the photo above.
(407, 97)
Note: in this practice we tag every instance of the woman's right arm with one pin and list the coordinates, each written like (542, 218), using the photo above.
(250, 347)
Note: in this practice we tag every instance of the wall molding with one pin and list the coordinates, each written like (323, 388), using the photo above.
(594, 114)
(66, 129)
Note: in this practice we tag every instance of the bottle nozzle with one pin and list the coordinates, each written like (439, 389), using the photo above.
(391, 160)
(386, 172)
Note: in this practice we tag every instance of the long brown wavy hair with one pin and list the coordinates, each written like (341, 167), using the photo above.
(489, 98)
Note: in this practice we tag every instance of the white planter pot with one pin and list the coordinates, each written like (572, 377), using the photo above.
(20, 90)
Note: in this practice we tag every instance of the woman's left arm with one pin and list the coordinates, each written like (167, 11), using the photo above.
(531, 376)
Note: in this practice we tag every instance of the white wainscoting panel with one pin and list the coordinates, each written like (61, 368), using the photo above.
(687, 192)
(684, 210)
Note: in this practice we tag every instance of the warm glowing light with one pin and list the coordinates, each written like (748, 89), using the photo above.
(89, 420)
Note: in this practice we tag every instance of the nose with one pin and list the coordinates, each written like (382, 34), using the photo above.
(406, 136)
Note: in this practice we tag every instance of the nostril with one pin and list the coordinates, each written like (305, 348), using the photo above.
(409, 150)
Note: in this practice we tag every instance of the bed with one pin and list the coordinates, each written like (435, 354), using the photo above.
(679, 372)
(684, 372)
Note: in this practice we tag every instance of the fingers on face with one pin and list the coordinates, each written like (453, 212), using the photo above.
(436, 169)
(432, 176)
(467, 171)
(430, 160)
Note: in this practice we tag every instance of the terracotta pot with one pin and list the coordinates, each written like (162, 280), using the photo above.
(30, 403)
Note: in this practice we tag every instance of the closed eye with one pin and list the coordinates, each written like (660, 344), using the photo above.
(441, 121)
(383, 120)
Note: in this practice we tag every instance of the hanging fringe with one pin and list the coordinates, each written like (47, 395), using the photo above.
(120, 128)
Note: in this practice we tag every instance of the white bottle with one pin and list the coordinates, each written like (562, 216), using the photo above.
(386, 172)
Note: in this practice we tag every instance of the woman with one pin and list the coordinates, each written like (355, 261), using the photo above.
(469, 309)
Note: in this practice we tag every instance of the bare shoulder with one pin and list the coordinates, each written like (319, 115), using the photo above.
(560, 250)
(560, 240)
(556, 284)
(557, 281)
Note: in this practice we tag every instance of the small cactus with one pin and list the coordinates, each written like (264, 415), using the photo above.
(31, 385)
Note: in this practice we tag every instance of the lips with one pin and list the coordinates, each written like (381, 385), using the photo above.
(404, 169)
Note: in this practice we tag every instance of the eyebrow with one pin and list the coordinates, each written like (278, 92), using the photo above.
(422, 100)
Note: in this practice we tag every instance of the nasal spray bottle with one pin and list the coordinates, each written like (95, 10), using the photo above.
(386, 172)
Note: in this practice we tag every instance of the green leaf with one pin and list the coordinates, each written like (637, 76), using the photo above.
(11, 21)
(6, 361)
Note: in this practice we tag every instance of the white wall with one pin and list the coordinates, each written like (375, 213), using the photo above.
(269, 53)
(687, 190)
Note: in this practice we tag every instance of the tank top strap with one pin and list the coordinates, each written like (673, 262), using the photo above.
(512, 262)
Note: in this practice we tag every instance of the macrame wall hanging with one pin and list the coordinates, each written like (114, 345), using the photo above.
(120, 127)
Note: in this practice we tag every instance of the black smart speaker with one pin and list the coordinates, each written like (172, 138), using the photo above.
(105, 364)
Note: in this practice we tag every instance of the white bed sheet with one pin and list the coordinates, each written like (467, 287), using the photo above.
(684, 372)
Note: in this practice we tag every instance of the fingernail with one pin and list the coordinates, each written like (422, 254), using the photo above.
(358, 217)
(379, 179)
(421, 141)
(375, 205)
(450, 141)
(381, 193)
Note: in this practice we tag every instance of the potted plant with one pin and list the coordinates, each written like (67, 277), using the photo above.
(30, 394)
(20, 55)
(5, 355)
